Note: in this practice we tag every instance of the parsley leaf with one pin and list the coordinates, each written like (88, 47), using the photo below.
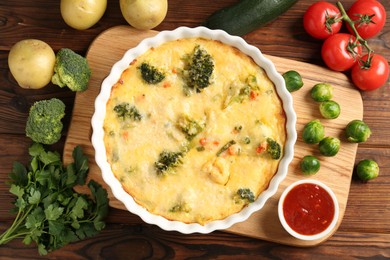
(48, 211)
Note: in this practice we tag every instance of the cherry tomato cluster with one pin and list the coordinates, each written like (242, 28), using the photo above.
(350, 51)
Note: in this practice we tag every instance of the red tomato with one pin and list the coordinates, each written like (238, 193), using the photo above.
(369, 17)
(335, 52)
(370, 77)
(322, 20)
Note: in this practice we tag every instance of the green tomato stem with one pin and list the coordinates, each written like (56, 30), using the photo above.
(359, 39)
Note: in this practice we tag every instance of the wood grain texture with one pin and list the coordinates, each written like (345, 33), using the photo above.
(365, 228)
(263, 224)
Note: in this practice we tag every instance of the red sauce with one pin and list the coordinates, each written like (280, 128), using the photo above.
(308, 209)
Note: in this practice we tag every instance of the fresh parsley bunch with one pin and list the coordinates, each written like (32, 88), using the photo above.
(48, 210)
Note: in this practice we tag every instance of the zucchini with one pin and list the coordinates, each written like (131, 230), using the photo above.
(247, 15)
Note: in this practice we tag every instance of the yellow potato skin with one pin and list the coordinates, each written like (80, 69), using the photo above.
(31, 63)
(82, 14)
(144, 14)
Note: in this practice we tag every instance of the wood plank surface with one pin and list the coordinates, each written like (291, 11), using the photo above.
(263, 224)
(365, 229)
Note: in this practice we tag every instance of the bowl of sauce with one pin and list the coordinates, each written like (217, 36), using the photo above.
(308, 209)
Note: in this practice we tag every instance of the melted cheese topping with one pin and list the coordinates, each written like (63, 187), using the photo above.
(204, 186)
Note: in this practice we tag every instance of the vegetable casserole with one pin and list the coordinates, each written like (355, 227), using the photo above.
(194, 130)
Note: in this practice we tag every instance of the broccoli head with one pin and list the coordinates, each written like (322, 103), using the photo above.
(168, 161)
(71, 70)
(151, 74)
(190, 127)
(199, 68)
(44, 121)
(244, 194)
(273, 149)
(125, 110)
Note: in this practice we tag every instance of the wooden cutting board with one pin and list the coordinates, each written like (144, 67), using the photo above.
(336, 172)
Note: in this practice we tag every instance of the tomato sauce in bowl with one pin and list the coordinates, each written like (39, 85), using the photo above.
(308, 209)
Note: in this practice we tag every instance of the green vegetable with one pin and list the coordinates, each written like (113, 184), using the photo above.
(244, 194)
(243, 93)
(313, 132)
(357, 131)
(247, 15)
(246, 140)
(190, 127)
(151, 74)
(330, 109)
(49, 212)
(367, 170)
(181, 207)
(168, 161)
(44, 121)
(273, 149)
(71, 70)
(126, 111)
(225, 147)
(310, 165)
(322, 92)
(198, 69)
(293, 80)
(329, 146)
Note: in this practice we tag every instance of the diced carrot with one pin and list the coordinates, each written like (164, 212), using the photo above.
(125, 135)
(261, 147)
(167, 84)
(231, 150)
(203, 141)
(253, 95)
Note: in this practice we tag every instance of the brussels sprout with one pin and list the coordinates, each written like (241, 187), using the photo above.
(329, 146)
(357, 131)
(367, 170)
(293, 80)
(330, 109)
(313, 132)
(310, 165)
(322, 92)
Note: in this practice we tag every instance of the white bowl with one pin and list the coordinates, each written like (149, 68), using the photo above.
(98, 132)
(316, 236)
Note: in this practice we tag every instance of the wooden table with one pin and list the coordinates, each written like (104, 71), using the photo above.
(365, 229)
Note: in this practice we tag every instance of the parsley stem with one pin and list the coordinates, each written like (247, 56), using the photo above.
(8, 235)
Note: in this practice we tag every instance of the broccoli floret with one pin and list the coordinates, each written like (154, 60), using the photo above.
(273, 149)
(125, 110)
(200, 66)
(150, 74)
(244, 194)
(167, 161)
(190, 127)
(71, 70)
(44, 121)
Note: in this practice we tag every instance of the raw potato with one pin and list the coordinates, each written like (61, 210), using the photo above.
(31, 62)
(82, 14)
(144, 14)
